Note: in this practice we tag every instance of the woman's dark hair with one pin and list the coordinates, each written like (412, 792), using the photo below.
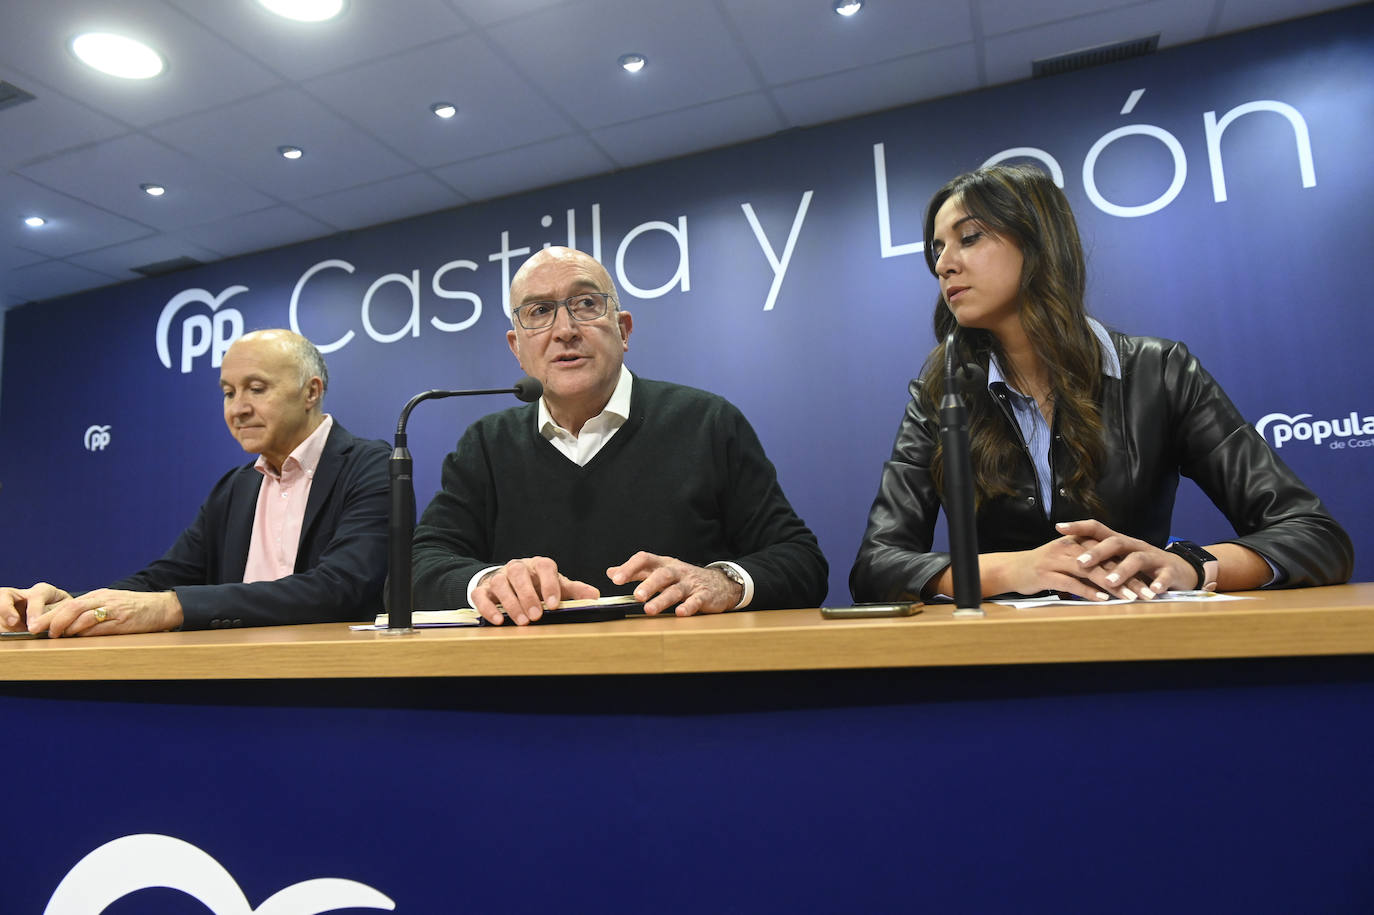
(1020, 204)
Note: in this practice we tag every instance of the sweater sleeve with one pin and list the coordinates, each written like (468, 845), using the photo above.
(774, 545)
(453, 537)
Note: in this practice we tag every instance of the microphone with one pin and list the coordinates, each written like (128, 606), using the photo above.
(963, 529)
(401, 525)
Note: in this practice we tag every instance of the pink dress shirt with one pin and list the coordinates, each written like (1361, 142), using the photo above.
(281, 508)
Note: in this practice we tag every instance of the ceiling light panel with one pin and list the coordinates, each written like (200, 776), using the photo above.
(305, 10)
(117, 55)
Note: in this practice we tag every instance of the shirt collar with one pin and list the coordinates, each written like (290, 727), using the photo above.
(618, 406)
(1111, 362)
(305, 456)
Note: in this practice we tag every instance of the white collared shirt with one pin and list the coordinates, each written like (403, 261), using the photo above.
(595, 432)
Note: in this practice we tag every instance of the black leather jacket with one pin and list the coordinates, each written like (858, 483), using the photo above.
(1163, 417)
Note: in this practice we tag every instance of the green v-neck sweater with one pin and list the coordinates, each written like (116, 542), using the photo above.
(685, 476)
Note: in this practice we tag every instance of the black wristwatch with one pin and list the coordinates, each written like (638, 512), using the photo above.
(1203, 562)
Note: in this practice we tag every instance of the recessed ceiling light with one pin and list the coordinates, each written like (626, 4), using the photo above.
(443, 109)
(290, 152)
(848, 7)
(153, 190)
(305, 10)
(632, 63)
(34, 222)
(116, 55)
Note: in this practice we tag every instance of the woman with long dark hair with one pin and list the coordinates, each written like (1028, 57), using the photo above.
(1080, 434)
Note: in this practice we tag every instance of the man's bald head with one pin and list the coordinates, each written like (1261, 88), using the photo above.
(557, 254)
(302, 353)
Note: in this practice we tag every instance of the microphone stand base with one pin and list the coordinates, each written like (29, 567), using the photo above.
(968, 613)
(406, 631)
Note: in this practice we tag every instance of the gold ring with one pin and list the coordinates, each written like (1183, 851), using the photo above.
(101, 614)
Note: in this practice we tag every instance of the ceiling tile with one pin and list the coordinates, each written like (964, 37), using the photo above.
(242, 139)
(1008, 57)
(998, 17)
(12, 256)
(119, 260)
(299, 50)
(33, 130)
(109, 175)
(497, 109)
(792, 41)
(72, 225)
(270, 228)
(50, 279)
(202, 69)
(539, 165)
(486, 12)
(887, 85)
(383, 201)
(693, 58)
(690, 130)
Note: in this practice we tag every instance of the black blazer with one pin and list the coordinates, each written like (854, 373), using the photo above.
(340, 563)
(1165, 416)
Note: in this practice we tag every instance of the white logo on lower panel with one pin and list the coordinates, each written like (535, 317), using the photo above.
(132, 863)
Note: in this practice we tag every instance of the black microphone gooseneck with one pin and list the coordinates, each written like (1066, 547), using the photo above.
(958, 496)
(401, 525)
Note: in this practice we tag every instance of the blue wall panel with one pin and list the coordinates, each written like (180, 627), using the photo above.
(1268, 286)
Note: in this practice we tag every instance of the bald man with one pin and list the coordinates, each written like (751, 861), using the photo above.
(612, 483)
(298, 536)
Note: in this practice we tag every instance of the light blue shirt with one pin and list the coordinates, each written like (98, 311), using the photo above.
(1034, 430)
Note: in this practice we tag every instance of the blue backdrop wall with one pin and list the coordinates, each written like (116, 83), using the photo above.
(1223, 191)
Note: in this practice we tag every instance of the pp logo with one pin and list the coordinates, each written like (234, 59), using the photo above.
(97, 437)
(199, 334)
(118, 868)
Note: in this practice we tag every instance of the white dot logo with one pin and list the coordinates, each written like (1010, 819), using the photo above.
(97, 438)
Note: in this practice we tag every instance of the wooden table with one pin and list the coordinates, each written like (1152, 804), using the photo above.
(1318, 621)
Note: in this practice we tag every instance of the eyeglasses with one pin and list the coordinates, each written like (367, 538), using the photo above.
(585, 306)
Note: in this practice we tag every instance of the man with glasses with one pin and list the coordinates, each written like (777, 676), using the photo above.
(611, 479)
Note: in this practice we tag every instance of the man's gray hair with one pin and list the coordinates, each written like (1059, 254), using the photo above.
(309, 360)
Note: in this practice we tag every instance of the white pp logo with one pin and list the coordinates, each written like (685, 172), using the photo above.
(199, 333)
(96, 438)
(118, 868)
